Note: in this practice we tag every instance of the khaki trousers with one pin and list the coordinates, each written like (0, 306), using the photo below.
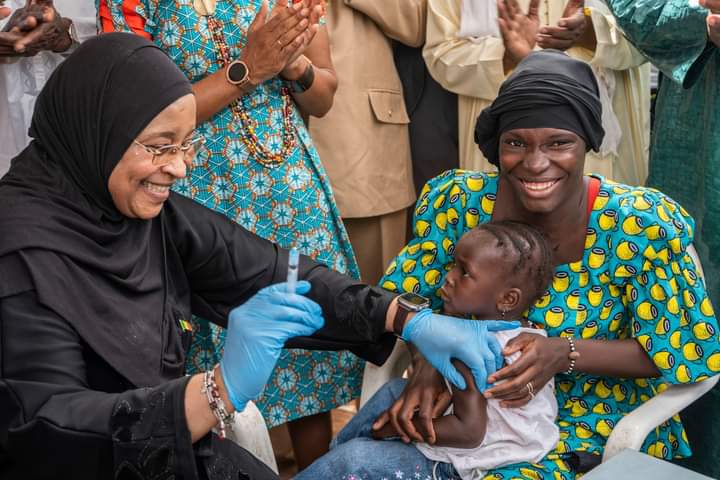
(376, 241)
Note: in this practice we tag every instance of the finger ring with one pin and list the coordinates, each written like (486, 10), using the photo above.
(280, 43)
(530, 389)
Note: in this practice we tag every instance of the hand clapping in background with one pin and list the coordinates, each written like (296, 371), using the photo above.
(36, 27)
(713, 20)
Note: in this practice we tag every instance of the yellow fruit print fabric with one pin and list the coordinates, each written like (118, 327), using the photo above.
(635, 280)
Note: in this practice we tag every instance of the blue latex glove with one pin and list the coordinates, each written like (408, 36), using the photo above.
(441, 338)
(257, 331)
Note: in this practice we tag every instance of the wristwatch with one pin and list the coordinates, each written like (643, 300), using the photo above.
(72, 36)
(407, 302)
(305, 81)
(237, 73)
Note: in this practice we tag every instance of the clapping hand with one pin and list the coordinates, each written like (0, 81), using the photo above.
(518, 30)
(34, 28)
(316, 11)
(571, 30)
(4, 11)
(274, 39)
(713, 20)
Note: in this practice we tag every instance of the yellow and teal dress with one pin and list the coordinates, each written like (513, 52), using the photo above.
(635, 279)
(289, 202)
(685, 153)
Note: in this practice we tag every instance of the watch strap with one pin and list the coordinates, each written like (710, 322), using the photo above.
(305, 81)
(72, 36)
(399, 320)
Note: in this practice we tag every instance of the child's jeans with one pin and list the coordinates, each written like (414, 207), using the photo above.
(355, 455)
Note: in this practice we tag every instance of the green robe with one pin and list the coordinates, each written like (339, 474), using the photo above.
(685, 155)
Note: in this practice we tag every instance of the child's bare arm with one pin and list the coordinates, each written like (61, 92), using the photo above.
(465, 428)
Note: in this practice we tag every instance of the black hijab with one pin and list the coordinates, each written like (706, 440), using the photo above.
(61, 233)
(548, 89)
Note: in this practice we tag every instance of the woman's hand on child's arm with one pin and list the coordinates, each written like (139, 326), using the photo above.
(541, 359)
(425, 397)
(464, 428)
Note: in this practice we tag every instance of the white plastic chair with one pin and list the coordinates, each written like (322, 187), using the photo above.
(630, 432)
(375, 377)
(250, 432)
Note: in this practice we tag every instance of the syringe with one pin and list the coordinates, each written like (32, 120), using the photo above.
(292, 272)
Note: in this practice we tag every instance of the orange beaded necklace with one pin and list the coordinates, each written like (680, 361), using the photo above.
(257, 150)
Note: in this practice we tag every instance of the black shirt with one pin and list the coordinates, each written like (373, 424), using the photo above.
(68, 412)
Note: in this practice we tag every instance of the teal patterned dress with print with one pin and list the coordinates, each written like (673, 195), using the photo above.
(289, 203)
(685, 154)
(635, 280)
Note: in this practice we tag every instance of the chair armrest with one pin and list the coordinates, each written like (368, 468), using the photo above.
(375, 377)
(696, 260)
(631, 431)
(250, 432)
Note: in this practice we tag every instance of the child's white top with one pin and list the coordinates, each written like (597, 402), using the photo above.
(513, 435)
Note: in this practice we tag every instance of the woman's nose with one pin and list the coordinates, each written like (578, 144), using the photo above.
(536, 161)
(177, 167)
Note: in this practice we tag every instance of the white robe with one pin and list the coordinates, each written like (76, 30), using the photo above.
(22, 80)
(468, 63)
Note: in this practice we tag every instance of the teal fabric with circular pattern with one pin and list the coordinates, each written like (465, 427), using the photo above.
(291, 204)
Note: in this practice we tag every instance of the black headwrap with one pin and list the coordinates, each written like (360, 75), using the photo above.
(60, 231)
(548, 89)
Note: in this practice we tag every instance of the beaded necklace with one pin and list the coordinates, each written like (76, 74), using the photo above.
(257, 150)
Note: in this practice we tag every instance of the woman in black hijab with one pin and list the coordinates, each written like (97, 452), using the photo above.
(101, 265)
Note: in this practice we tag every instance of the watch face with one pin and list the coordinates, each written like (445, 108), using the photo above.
(414, 300)
(237, 72)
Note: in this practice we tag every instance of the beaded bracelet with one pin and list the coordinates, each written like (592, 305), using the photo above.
(217, 406)
(573, 355)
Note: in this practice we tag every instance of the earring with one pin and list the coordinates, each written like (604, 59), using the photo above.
(502, 314)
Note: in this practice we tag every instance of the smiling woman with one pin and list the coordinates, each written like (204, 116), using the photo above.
(99, 259)
(543, 164)
(99, 279)
(625, 305)
(141, 181)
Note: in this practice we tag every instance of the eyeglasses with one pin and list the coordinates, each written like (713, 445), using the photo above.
(162, 155)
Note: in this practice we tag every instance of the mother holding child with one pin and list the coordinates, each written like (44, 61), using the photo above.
(625, 313)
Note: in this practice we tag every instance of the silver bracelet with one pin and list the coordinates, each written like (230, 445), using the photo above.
(572, 356)
(217, 406)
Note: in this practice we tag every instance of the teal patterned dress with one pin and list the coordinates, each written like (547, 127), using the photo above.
(290, 203)
(635, 280)
(685, 154)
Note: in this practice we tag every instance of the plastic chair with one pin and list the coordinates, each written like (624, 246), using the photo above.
(251, 433)
(630, 432)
